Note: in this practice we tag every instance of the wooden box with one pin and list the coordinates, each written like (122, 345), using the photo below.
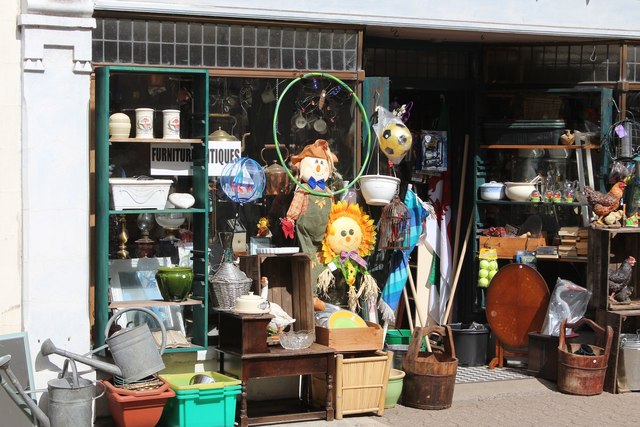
(243, 333)
(289, 284)
(607, 249)
(360, 383)
(351, 339)
(506, 247)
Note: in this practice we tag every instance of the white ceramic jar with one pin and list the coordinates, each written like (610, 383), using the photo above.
(119, 125)
(171, 124)
(144, 122)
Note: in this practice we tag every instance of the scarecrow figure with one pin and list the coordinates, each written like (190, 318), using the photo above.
(350, 237)
(309, 213)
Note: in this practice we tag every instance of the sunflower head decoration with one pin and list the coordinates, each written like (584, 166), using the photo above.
(350, 237)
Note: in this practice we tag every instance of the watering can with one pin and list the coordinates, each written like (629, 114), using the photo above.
(70, 397)
(134, 351)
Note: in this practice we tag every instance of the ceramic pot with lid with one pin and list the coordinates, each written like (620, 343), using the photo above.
(492, 191)
(252, 304)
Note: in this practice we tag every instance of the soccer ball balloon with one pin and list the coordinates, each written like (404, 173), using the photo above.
(395, 141)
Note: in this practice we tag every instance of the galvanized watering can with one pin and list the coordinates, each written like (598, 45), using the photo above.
(134, 351)
(70, 397)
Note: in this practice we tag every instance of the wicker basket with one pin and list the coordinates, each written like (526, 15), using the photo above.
(227, 285)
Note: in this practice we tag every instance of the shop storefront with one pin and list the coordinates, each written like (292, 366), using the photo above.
(223, 72)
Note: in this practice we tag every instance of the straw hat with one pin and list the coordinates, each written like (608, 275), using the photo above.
(319, 149)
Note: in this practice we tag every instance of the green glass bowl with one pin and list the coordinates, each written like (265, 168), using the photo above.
(174, 282)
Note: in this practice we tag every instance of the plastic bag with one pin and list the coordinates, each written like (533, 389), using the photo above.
(393, 135)
(568, 301)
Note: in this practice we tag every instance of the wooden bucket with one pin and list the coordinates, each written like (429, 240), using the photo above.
(430, 376)
(583, 374)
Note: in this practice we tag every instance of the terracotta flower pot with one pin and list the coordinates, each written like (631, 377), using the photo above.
(137, 408)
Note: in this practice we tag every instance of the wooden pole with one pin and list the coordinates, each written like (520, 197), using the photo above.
(454, 284)
(465, 154)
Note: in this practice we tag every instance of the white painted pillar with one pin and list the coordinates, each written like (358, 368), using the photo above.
(56, 54)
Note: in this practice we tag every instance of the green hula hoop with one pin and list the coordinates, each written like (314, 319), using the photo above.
(366, 122)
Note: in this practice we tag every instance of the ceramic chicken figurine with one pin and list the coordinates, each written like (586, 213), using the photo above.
(604, 203)
(619, 280)
(308, 213)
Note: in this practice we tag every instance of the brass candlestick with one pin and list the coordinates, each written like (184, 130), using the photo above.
(123, 238)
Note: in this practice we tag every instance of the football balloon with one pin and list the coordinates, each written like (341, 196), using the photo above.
(395, 141)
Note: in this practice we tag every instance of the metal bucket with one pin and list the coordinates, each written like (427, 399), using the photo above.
(629, 363)
(583, 374)
(134, 350)
(71, 399)
(430, 376)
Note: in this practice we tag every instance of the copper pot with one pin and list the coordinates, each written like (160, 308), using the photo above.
(277, 179)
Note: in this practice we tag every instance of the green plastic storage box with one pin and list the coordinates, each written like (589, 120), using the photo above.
(398, 336)
(201, 405)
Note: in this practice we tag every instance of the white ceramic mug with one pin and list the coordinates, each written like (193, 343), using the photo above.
(171, 124)
(144, 122)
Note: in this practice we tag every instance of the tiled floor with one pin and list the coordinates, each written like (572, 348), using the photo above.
(475, 374)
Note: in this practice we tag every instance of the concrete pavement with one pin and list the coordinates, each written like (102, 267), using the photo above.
(527, 402)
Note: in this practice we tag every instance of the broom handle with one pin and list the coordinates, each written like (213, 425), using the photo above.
(458, 268)
(460, 199)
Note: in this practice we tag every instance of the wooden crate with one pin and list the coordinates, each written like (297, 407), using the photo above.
(506, 247)
(360, 384)
(607, 249)
(351, 339)
(289, 284)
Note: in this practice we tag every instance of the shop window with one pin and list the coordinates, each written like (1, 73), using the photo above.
(195, 44)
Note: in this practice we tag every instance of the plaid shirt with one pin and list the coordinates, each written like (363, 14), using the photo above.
(299, 204)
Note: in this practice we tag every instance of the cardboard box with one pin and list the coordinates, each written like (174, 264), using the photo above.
(351, 339)
(506, 247)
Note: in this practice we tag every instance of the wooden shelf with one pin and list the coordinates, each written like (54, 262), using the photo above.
(158, 140)
(511, 202)
(152, 303)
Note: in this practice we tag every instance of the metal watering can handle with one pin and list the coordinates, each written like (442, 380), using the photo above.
(76, 382)
(146, 310)
(74, 377)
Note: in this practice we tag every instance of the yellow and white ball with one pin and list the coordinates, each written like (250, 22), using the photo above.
(395, 141)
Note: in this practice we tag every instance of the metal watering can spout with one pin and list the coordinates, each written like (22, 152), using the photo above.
(48, 347)
(35, 409)
(134, 351)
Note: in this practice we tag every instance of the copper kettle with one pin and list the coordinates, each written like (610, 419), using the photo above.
(277, 179)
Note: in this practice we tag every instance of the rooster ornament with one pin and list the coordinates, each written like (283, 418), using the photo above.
(619, 279)
(603, 204)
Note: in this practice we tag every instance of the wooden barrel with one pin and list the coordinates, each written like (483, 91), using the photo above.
(430, 376)
(583, 374)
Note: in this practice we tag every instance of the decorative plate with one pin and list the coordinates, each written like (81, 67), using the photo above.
(345, 319)
(279, 251)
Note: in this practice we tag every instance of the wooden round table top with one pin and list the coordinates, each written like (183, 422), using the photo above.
(517, 301)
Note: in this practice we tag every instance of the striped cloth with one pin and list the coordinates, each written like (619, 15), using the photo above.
(399, 260)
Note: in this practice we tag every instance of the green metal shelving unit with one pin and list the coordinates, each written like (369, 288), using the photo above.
(106, 88)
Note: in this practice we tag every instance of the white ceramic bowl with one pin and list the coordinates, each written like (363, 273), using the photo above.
(378, 190)
(492, 191)
(519, 191)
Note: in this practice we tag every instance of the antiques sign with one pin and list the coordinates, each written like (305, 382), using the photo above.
(176, 159)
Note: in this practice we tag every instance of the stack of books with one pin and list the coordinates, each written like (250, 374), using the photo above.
(573, 241)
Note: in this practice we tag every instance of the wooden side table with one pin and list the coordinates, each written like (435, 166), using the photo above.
(279, 362)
